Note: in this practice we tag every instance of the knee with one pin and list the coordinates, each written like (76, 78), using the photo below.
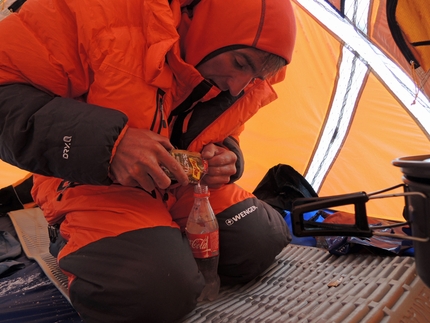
(250, 243)
(146, 277)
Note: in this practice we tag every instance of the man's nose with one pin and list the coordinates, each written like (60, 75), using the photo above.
(237, 84)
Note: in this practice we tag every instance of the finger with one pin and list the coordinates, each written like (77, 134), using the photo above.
(209, 151)
(129, 182)
(175, 168)
(165, 142)
(159, 178)
(227, 159)
(151, 166)
(227, 170)
(134, 177)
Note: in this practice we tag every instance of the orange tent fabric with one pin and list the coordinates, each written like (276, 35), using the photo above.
(338, 120)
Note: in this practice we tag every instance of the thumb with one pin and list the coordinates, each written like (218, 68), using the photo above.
(210, 151)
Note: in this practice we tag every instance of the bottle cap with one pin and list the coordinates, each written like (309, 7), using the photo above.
(201, 190)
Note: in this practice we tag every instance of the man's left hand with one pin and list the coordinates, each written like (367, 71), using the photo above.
(221, 165)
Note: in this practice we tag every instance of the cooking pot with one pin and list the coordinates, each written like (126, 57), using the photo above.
(416, 176)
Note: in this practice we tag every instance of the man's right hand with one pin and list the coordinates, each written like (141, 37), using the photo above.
(138, 158)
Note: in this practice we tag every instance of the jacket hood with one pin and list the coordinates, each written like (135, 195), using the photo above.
(268, 25)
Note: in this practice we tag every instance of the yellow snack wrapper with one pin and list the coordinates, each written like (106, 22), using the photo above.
(192, 163)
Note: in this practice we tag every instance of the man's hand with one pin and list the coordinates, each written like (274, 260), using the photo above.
(138, 158)
(221, 165)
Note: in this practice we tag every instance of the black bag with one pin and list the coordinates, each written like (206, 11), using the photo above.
(281, 185)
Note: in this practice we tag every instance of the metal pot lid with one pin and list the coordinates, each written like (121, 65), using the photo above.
(416, 166)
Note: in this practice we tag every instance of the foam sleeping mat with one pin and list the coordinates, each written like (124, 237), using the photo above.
(304, 284)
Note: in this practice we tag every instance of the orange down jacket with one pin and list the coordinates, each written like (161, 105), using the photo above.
(136, 57)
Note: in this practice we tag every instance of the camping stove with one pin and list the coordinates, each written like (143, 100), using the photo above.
(416, 191)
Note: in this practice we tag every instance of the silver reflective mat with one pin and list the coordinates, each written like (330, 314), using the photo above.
(305, 284)
(32, 230)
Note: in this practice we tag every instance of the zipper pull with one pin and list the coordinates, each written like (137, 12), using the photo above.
(161, 108)
(163, 120)
(63, 186)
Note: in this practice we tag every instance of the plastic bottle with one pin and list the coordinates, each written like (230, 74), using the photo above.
(203, 234)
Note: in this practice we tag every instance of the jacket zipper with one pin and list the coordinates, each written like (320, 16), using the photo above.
(159, 112)
(64, 185)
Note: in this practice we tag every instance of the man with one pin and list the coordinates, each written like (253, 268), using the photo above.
(94, 94)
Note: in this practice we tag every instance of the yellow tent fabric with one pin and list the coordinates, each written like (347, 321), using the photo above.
(382, 126)
(416, 30)
(350, 104)
(10, 174)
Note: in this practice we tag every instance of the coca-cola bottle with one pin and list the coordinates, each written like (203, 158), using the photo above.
(203, 234)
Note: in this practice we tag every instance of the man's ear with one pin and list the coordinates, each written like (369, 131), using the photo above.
(278, 76)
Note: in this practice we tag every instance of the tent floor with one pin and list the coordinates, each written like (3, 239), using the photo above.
(305, 284)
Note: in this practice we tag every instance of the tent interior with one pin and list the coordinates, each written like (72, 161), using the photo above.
(355, 98)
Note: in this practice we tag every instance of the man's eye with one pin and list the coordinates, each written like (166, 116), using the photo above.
(239, 65)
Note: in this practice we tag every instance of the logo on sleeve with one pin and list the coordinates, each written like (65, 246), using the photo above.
(241, 215)
(67, 140)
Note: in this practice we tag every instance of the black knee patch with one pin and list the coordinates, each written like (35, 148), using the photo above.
(146, 275)
(252, 233)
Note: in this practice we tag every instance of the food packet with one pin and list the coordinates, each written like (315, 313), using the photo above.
(192, 163)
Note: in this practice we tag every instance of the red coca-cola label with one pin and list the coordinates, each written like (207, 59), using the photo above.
(204, 245)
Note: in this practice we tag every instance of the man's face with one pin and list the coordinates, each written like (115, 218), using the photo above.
(233, 70)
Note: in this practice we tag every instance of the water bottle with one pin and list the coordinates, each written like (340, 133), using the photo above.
(203, 234)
